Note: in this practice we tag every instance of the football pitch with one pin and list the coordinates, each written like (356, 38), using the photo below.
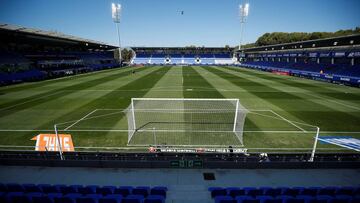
(283, 111)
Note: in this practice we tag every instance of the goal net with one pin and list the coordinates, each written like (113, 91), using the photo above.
(185, 122)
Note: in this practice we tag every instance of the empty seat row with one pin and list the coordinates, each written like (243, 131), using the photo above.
(288, 199)
(295, 191)
(36, 197)
(90, 189)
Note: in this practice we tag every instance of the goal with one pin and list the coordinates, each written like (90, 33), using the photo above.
(185, 122)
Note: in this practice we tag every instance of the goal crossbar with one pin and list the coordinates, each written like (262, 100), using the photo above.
(186, 121)
(183, 99)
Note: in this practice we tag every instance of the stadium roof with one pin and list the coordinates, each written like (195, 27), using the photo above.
(54, 35)
(183, 48)
(349, 40)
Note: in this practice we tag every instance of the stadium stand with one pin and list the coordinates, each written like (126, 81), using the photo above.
(183, 56)
(285, 194)
(31, 193)
(334, 60)
(29, 54)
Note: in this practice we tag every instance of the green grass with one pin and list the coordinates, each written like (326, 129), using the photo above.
(275, 102)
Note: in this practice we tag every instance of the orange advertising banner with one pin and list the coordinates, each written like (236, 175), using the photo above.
(49, 142)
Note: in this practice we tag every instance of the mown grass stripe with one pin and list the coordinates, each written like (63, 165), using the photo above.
(114, 99)
(308, 89)
(194, 80)
(50, 95)
(325, 117)
(43, 83)
(305, 85)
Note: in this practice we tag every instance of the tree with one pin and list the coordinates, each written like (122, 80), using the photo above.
(126, 54)
(284, 37)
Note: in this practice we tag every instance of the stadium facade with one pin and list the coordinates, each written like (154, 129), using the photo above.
(183, 56)
(334, 59)
(28, 54)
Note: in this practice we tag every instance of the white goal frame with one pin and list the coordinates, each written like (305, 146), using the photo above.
(237, 126)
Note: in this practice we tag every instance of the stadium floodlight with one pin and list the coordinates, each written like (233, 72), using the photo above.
(116, 14)
(185, 122)
(244, 13)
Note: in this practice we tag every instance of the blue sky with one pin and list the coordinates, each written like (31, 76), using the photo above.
(159, 22)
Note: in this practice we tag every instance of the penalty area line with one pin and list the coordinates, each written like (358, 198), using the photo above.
(298, 127)
(80, 120)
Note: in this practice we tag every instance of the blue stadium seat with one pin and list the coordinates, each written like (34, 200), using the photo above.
(90, 189)
(341, 199)
(250, 201)
(3, 188)
(307, 198)
(133, 199)
(17, 197)
(142, 190)
(2, 197)
(327, 191)
(159, 190)
(345, 191)
(312, 191)
(272, 191)
(217, 191)
(292, 191)
(242, 198)
(41, 198)
(294, 200)
(14, 187)
(89, 198)
(123, 190)
(275, 200)
(114, 198)
(322, 198)
(69, 189)
(94, 196)
(251, 191)
(355, 199)
(68, 198)
(264, 198)
(235, 191)
(224, 199)
(55, 195)
(106, 190)
(34, 194)
(155, 199)
(31, 188)
(46, 188)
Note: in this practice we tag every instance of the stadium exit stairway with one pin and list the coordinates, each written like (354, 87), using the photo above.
(189, 194)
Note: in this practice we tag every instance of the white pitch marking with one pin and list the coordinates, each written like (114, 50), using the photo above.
(245, 131)
(25, 130)
(288, 121)
(80, 119)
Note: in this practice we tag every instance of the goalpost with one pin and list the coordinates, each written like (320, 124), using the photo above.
(185, 122)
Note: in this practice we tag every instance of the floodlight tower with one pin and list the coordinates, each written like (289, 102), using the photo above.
(116, 14)
(243, 12)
